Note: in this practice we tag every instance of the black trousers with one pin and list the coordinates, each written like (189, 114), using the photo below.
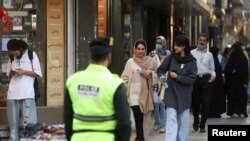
(201, 96)
(138, 116)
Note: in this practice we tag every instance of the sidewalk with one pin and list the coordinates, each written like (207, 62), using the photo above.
(197, 136)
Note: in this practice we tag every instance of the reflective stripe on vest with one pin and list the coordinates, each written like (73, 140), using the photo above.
(93, 118)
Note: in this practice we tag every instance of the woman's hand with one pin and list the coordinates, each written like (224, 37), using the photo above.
(147, 74)
(172, 74)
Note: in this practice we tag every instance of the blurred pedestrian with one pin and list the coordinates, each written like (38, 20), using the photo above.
(248, 86)
(218, 97)
(21, 94)
(95, 105)
(236, 81)
(203, 85)
(137, 75)
(224, 58)
(158, 55)
(182, 72)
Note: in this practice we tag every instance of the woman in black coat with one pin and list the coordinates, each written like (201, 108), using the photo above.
(236, 80)
(218, 98)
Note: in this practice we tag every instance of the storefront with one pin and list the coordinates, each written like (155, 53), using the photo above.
(59, 31)
(89, 19)
(41, 24)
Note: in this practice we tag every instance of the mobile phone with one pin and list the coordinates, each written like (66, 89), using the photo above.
(140, 71)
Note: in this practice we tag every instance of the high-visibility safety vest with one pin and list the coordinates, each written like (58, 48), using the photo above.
(92, 95)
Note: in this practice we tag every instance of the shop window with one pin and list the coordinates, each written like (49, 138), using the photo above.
(19, 19)
(86, 10)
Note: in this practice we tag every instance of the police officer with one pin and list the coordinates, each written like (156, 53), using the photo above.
(95, 106)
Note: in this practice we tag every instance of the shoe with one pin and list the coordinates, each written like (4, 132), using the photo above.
(196, 127)
(241, 116)
(234, 115)
(156, 127)
(202, 130)
(162, 130)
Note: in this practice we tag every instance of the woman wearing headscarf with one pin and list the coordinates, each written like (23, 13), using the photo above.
(158, 54)
(160, 48)
(182, 72)
(137, 76)
(236, 81)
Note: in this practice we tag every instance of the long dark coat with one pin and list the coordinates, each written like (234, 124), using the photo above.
(218, 98)
(236, 76)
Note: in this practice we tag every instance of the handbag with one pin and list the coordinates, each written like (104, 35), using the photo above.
(149, 101)
(162, 86)
(36, 89)
(162, 93)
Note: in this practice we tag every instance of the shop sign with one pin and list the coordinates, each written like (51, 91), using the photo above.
(55, 52)
(102, 18)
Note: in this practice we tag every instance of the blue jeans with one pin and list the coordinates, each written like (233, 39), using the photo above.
(16, 109)
(160, 114)
(177, 125)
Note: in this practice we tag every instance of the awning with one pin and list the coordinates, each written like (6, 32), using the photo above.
(201, 7)
(198, 7)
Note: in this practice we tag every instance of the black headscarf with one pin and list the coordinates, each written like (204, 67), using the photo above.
(183, 60)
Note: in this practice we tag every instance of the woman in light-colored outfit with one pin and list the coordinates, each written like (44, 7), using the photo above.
(137, 75)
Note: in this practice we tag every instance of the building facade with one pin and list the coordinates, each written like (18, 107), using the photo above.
(60, 31)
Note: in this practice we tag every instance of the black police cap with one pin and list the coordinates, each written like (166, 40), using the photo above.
(101, 46)
(102, 42)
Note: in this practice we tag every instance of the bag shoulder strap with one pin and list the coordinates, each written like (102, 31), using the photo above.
(170, 60)
(30, 53)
